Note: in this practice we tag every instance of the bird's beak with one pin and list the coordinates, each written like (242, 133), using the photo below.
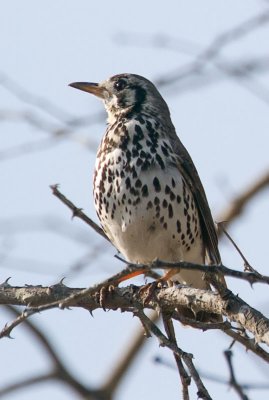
(90, 87)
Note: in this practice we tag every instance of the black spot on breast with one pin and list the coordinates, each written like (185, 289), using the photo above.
(124, 140)
(146, 165)
(128, 155)
(165, 204)
(139, 162)
(138, 134)
(167, 189)
(128, 183)
(172, 196)
(134, 192)
(135, 152)
(156, 201)
(156, 184)
(143, 154)
(138, 183)
(145, 191)
(170, 211)
(164, 150)
(137, 201)
(149, 205)
(160, 161)
(134, 173)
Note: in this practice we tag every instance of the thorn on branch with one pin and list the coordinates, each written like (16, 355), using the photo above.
(5, 284)
(76, 212)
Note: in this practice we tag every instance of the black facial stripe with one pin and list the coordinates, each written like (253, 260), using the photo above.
(140, 95)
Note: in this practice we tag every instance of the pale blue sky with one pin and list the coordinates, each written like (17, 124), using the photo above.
(46, 45)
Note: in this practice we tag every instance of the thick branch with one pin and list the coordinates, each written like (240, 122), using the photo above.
(129, 298)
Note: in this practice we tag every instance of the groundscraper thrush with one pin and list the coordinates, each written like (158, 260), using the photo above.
(147, 192)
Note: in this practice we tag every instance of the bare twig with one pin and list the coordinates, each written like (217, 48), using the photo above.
(27, 382)
(215, 48)
(247, 265)
(184, 377)
(241, 71)
(186, 357)
(77, 212)
(233, 382)
(38, 101)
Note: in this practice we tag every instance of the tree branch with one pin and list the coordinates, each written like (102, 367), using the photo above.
(186, 357)
(130, 298)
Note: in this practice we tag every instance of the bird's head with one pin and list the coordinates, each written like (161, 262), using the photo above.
(125, 95)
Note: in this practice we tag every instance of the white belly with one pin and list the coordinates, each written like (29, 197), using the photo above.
(157, 226)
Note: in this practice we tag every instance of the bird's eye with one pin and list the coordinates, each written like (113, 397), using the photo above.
(120, 85)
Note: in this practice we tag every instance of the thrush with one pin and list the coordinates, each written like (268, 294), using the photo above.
(147, 192)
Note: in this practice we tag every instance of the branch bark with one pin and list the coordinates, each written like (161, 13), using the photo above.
(131, 298)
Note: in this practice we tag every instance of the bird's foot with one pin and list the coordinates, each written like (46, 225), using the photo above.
(147, 291)
(103, 295)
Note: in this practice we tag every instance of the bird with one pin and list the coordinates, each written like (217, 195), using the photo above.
(147, 192)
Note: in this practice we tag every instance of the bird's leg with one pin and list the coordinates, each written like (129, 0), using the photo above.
(158, 283)
(130, 275)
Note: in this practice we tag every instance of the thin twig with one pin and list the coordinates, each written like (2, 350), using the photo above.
(184, 377)
(212, 51)
(77, 212)
(27, 382)
(247, 265)
(232, 381)
(186, 357)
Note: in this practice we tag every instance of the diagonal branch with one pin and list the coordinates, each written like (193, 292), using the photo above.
(233, 382)
(77, 212)
(186, 357)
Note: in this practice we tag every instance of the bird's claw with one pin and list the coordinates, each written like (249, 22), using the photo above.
(103, 295)
(147, 291)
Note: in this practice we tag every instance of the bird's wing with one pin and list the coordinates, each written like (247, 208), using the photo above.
(192, 179)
